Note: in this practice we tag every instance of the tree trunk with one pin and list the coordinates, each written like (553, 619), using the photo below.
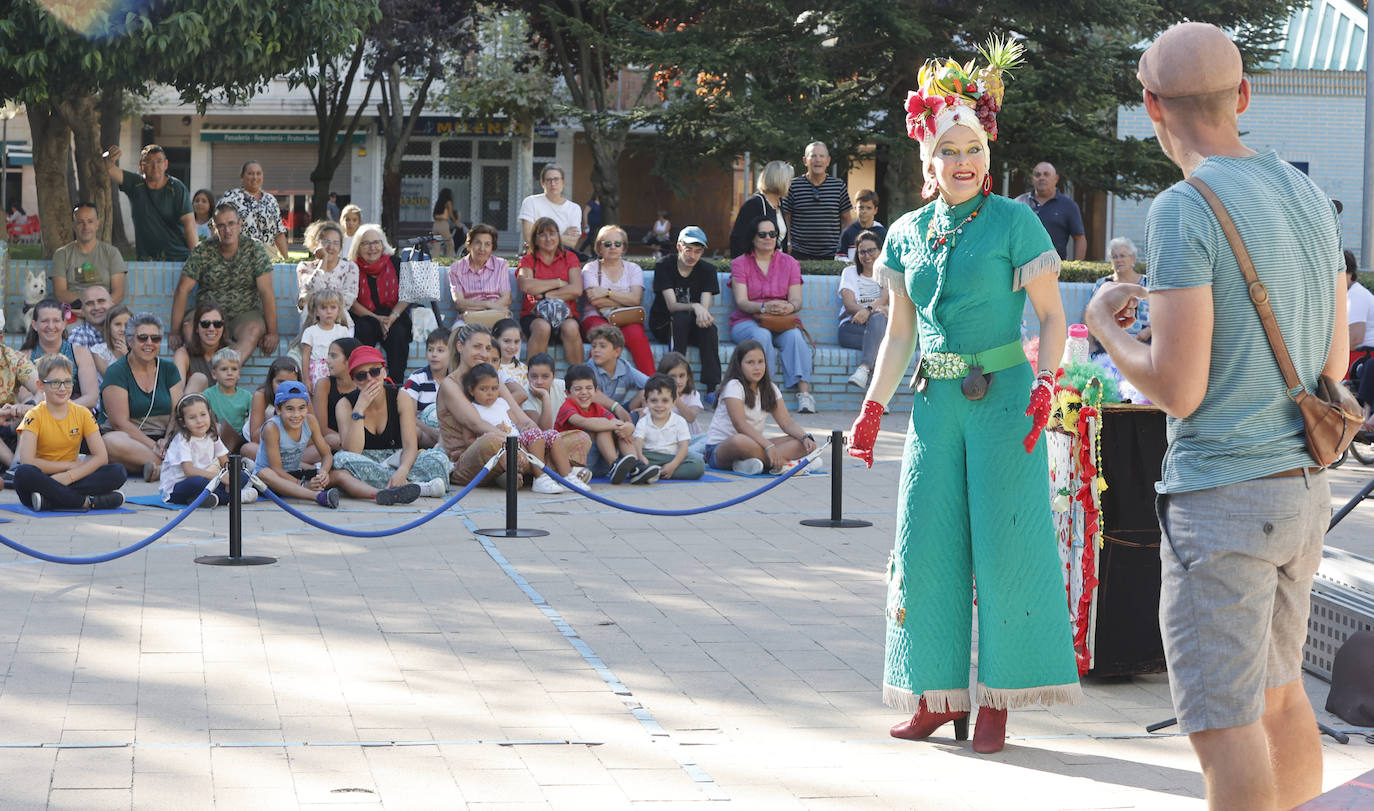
(397, 124)
(51, 156)
(391, 215)
(904, 180)
(606, 147)
(111, 112)
(93, 179)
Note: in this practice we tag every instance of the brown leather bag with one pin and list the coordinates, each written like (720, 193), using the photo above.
(1331, 415)
(625, 316)
(776, 324)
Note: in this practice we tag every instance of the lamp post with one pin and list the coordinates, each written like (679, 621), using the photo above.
(8, 111)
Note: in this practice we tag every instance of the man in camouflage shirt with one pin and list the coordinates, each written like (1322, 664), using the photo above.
(236, 275)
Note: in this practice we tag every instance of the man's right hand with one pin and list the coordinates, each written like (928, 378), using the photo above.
(173, 340)
(112, 155)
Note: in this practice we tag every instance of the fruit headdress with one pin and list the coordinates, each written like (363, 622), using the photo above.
(945, 87)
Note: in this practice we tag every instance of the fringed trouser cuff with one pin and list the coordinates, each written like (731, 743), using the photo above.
(936, 700)
(998, 699)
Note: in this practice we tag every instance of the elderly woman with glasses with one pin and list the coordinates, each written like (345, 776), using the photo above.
(379, 315)
(864, 302)
(610, 283)
(137, 397)
(329, 270)
(767, 286)
(1124, 255)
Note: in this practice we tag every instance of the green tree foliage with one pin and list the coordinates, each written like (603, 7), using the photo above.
(63, 58)
(767, 76)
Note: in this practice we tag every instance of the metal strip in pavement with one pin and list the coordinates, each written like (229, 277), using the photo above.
(289, 744)
(704, 781)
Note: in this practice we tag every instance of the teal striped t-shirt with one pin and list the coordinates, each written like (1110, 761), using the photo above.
(1246, 426)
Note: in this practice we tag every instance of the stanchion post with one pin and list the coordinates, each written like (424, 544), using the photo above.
(235, 556)
(836, 519)
(512, 529)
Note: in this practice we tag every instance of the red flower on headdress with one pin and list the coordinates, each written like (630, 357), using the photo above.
(921, 112)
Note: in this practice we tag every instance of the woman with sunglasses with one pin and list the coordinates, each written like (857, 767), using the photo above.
(379, 454)
(609, 283)
(208, 336)
(864, 301)
(137, 396)
(379, 315)
(767, 287)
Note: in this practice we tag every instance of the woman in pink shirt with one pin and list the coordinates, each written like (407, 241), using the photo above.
(480, 281)
(768, 282)
(610, 283)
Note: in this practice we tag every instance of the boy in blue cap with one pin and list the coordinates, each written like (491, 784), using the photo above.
(284, 440)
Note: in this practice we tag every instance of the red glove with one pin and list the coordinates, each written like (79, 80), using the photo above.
(1041, 401)
(864, 432)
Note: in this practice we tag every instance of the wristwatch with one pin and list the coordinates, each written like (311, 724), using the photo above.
(356, 416)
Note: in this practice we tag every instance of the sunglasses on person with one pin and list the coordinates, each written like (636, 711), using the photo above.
(145, 338)
(612, 244)
(867, 251)
(331, 243)
(362, 375)
(206, 323)
(58, 384)
(767, 234)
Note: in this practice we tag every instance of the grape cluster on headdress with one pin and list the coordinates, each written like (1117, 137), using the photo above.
(949, 83)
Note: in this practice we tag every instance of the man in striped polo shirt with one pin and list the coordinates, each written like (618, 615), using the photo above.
(1242, 507)
(817, 207)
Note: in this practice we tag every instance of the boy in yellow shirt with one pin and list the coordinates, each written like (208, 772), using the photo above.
(52, 476)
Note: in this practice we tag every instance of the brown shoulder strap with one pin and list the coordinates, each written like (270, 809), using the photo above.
(1259, 294)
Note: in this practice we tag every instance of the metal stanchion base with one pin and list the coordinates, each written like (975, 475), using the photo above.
(227, 560)
(836, 523)
(502, 532)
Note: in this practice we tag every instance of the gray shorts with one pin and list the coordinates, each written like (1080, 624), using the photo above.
(1237, 566)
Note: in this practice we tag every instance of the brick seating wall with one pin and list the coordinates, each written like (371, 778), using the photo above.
(151, 285)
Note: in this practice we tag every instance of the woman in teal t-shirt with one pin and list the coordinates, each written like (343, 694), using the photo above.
(137, 396)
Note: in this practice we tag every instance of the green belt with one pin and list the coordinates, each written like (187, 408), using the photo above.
(955, 366)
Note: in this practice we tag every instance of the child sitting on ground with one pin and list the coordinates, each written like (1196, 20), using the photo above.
(195, 456)
(285, 438)
(546, 391)
(617, 379)
(507, 338)
(611, 437)
(662, 438)
(482, 385)
(735, 440)
(330, 390)
(688, 402)
(229, 404)
(53, 476)
(423, 386)
(260, 410)
(325, 323)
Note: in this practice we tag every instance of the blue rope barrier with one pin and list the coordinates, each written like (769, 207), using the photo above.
(118, 553)
(382, 533)
(690, 510)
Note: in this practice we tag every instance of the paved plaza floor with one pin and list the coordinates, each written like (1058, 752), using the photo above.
(620, 662)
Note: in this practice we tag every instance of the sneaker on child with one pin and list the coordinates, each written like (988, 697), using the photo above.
(328, 498)
(580, 474)
(645, 474)
(622, 468)
(248, 494)
(860, 377)
(434, 488)
(748, 467)
(545, 485)
(806, 403)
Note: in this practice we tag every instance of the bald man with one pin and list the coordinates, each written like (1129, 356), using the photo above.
(1058, 212)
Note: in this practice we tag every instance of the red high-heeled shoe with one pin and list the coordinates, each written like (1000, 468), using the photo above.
(924, 722)
(990, 733)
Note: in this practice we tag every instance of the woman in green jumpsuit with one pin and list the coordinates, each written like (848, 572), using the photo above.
(975, 503)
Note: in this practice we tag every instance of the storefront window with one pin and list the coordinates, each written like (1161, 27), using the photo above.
(417, 190)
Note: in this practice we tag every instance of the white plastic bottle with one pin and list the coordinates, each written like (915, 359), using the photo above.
(1076, 348)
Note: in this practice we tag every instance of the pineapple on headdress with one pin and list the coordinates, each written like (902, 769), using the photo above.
(980, 89)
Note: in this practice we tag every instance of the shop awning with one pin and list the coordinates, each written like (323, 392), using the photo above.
(18, 154)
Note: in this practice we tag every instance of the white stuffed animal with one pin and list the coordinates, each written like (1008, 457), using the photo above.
(422, 323)
(35, 289)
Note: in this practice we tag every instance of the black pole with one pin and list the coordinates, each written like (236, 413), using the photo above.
(235, 506)
(512, 530)
(235, 556)
(1351, 504)
(836, 519)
